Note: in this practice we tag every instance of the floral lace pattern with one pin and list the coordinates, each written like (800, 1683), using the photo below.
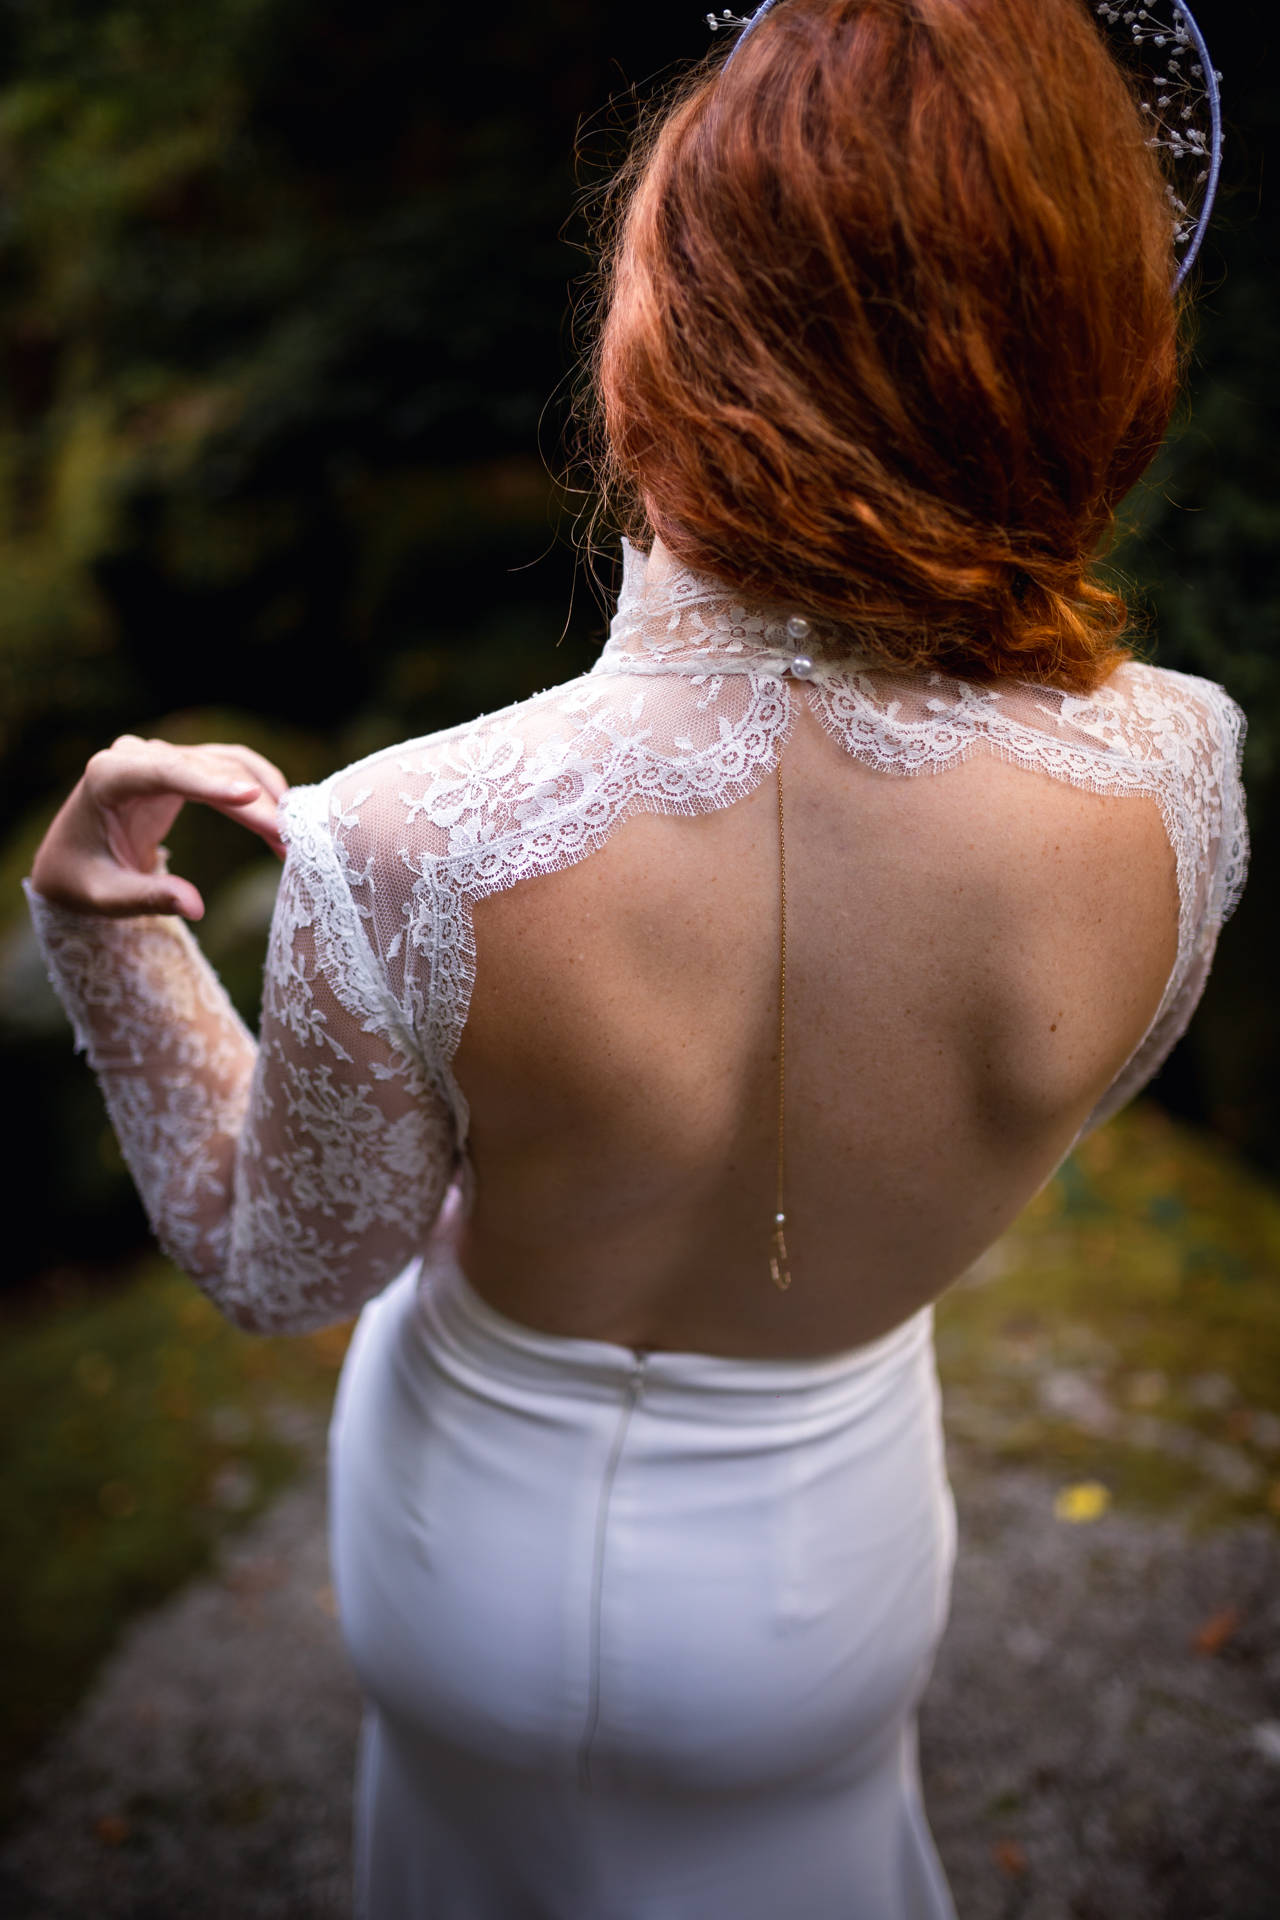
(294, 1188)
(173, 1061)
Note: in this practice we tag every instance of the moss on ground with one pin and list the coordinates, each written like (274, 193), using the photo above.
(137, 1427)
(1127, 1328)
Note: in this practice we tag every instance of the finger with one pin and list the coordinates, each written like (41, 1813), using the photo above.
(256, 765)
(260, 815)
(233, 762)
(136, 770)
(239, 759)
(162, 893)
(140, 773)
(101, 886)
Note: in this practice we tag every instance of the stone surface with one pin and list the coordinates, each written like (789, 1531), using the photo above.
(1101, 1740)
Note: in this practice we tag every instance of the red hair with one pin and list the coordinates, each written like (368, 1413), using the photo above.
(888, 330)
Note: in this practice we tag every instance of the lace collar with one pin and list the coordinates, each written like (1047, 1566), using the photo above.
(671, 620)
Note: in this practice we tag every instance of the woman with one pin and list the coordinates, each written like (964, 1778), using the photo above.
(733, 1045)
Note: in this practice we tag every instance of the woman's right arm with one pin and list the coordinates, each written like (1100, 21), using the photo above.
(290, 1180)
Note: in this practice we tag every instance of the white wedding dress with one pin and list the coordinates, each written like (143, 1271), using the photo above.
(642, 1636)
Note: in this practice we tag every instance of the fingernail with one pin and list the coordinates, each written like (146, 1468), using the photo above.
(244, 786)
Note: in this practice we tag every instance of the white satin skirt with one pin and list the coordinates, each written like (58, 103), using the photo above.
(641, 1636)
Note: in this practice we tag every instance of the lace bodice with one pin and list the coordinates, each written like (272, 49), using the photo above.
(294, 1186)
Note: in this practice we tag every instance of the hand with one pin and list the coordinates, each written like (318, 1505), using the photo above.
(103, 854)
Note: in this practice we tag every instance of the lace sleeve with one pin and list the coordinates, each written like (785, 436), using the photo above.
(347, 1151)
(172, 1057)
(1208, 826)
(290, 1180)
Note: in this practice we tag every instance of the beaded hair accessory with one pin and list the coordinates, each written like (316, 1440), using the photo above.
(1179, 89)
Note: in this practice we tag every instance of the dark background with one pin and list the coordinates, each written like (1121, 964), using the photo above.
(285, 343)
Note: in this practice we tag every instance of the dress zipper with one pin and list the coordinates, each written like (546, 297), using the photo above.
(631, 1398)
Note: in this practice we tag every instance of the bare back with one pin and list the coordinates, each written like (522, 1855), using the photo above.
(534, 960)
(971, 959)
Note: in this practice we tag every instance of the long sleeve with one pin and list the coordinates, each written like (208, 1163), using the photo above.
(291, 1179)
(172, 1057)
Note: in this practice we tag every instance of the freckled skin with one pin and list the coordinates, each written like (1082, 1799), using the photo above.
(972, 956)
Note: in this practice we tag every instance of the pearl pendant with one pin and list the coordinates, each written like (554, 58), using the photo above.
(798, 628)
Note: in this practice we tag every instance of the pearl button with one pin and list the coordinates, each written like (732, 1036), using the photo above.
(802, 667)
(798, 627)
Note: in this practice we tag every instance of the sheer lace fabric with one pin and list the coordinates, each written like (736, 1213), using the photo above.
(294, 1189)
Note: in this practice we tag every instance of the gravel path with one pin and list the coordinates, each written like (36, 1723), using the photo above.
(1101, 1739)
(208, 1775)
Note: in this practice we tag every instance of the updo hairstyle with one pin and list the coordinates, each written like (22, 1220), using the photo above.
(887, 330)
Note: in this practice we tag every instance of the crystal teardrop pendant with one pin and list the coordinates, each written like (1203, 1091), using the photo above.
(779, 1266)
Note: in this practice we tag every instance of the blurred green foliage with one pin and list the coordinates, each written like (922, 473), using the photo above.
(283, 302)
(1203, 553)
(285, 290)
(281, 306)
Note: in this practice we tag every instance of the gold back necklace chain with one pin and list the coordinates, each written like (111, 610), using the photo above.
(801, 668)
(779, 1266)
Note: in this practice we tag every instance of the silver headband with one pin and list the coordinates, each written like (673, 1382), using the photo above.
(1180, 96)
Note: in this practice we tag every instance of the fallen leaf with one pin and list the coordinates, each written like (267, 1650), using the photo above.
(1082, 1501)
(112, 1829)
(1010, 1858)
(1217, 1630)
